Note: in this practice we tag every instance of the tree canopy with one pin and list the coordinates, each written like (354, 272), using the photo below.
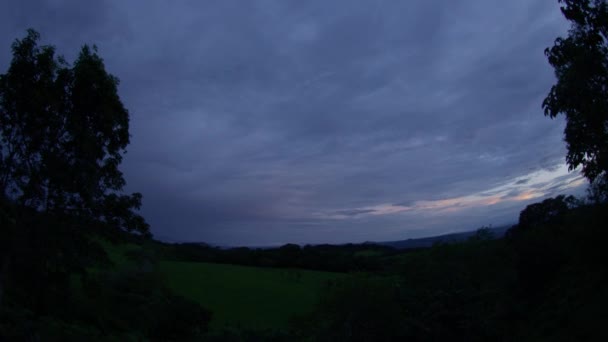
(580, 61)
(63, 133)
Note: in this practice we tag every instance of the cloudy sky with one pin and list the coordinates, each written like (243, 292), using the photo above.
(272, 121)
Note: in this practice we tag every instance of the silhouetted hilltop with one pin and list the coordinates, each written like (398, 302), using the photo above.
(497, 233)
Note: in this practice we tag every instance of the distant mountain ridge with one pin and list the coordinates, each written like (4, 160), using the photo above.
(497, 232)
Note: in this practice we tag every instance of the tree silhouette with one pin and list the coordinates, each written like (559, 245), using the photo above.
(537, 214)
(63, 131)
(581, 93)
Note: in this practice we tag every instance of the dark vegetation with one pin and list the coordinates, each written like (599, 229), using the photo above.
(63, 131)
(543, 281)
(77, 262)
(580, 66)
(492, 232)
(331, 258)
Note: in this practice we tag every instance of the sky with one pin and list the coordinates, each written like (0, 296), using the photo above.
(273, 121)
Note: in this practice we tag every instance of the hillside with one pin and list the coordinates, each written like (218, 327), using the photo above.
(251, 297)
(497, 232)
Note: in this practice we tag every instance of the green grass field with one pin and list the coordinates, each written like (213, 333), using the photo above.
(251, 297)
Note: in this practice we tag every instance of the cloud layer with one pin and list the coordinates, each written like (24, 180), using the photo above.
(267, 122)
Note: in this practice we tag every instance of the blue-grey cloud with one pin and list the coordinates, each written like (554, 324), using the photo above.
(275, 121)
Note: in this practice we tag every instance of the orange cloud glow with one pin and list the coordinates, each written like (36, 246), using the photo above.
(537, 184)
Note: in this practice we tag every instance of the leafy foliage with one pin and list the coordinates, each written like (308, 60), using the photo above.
(342, 258)
(356, 309)
(581, 93)
(63, 133)
(63, 130)
(124, 301)
(544, 283)
(549, 209)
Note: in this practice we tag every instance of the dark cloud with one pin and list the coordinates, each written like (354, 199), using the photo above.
(354, 212)
(276, 121)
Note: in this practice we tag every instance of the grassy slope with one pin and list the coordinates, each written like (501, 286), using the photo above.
(251, 297)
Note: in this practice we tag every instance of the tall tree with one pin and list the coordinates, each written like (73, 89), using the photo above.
(63, 133)
(580, 61)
